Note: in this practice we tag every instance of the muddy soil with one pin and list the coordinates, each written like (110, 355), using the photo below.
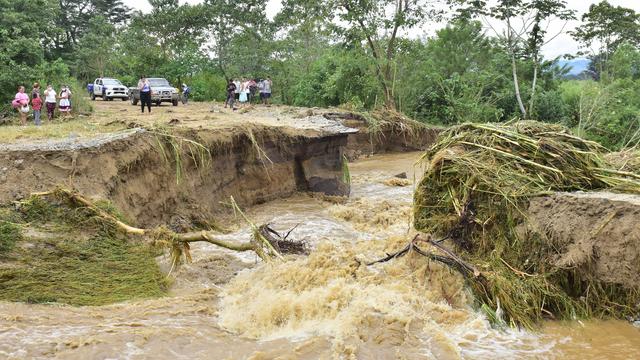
(257, 154)
(596, 232)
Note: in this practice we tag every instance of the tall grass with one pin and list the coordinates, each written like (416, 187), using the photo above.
(73, 258)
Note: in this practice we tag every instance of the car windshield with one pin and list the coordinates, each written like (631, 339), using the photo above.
(159, 82)
(111, 82)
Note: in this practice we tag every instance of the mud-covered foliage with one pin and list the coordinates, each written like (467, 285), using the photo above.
(9, 235)
(66, 255)
(382, 119)
(475, 191)
(626, 160)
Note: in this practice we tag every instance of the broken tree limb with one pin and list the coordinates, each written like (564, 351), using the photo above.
(265, 247)
(468, 267)
(280, 241)
(178, 242)
(394, 255)
(452, 260)
(81, 201)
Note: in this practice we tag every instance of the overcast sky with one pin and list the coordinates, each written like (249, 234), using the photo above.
(562, 44)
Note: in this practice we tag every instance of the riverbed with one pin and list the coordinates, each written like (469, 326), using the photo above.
(329, 305)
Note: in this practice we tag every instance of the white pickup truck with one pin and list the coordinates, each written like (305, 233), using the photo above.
(109, 89)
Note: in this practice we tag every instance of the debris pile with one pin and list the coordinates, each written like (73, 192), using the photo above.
(475, 193)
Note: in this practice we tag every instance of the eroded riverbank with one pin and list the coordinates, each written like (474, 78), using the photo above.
(228, 306)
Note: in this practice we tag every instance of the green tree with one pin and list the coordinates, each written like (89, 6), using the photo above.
(625, 62)
(371, 21)
(524, 23)
(23, 34)
(95, 52)
(459, 75)
(239, 33)
(604, 28)
(73, 21)
(169, 39)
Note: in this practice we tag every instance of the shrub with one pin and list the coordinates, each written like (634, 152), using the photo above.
(9, 235)
(207, 86)
(550, 107)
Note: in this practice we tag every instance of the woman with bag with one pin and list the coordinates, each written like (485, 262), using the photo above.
(21, 103)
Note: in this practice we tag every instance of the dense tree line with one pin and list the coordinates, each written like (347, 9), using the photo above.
(360, 54)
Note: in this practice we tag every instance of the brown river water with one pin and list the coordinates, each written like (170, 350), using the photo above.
(227, 305)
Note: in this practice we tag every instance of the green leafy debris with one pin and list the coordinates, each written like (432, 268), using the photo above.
(476, 189)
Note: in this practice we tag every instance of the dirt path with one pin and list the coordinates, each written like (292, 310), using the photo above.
(115, 117)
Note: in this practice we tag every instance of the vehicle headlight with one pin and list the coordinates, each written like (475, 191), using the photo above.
(175, 91)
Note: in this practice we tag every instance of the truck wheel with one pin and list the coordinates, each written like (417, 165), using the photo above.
(174, 102)
(124, 99)
(158, 103)
(134, 101)
(105, 98)
(93, 96)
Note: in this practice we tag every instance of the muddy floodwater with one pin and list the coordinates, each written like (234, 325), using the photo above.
(226, 305)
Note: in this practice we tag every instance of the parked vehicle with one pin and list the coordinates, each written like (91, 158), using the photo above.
(108, 89)
(161, 91)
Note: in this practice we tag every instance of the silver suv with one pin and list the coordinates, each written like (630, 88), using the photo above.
(161, 91)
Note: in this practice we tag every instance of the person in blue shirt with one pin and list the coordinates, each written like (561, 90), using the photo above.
(186, 91)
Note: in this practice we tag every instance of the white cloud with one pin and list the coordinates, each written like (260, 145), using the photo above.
(563, 44)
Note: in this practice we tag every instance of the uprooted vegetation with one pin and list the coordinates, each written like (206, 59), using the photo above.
(625, 160)
(384, 130)
(62, 254)
(475, 192)
(61, 247)
(383, 119)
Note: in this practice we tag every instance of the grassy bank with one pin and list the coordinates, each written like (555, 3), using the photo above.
(54, 254)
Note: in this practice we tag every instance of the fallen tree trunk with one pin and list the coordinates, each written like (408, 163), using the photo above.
(177, 242)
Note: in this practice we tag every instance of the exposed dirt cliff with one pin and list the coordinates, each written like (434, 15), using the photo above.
(158, 177)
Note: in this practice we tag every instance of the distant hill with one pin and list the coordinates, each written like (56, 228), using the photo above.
(577, 65)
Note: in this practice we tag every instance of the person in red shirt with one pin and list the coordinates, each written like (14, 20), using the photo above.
(36, 104)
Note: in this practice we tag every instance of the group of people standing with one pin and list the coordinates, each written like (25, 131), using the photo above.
(245, 91)
(51, 100)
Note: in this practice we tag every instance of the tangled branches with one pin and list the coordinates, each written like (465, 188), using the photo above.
(268, 245)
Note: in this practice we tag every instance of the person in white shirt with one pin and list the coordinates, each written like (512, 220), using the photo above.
(50, 101)
(238, 88)
(244, 91)
(265, 92)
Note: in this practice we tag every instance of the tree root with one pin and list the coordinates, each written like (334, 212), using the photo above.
(266, 242)
(451, 260)
(281, 242)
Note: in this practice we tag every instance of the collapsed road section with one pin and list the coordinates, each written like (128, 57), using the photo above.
(158, 174)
